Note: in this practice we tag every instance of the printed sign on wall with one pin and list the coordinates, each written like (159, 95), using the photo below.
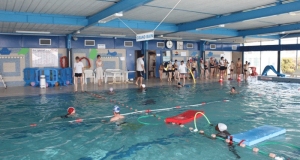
(44, 57)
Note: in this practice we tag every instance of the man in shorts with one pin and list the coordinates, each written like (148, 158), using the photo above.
(78, 70)
(238, 67)
(182, 71)
(140, 70)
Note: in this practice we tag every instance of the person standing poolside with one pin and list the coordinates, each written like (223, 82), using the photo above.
(232, 66)
(238, 67)
(182, 71)
(78, 70)
(216, 68)
(175, 68)
(246, 69)
(161, 69)
(99, 70)
(140, 70)
(222, 66)
(202, 69)
(170, 70)
(206, 69)
(194, 68)
(212, 67)
(226, 67)
(188, 66)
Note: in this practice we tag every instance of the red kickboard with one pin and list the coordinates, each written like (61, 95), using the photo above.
(184, 117)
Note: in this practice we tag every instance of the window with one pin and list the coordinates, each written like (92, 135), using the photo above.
(252, 44)
(289, 40)
(269, 58)
(288, 61)
(254, 59)
(273, 42)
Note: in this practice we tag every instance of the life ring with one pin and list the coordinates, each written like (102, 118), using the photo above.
(61, 62)
(87, 60)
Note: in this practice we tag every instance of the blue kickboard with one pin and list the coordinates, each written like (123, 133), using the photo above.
(258, 134)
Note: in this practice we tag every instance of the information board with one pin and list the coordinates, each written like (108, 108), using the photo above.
(44, 57)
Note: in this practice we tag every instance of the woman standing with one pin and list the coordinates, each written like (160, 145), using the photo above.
(175, 68)
(246, 69)
(194, 68)
(212, 67)
(161, 68)
(226, 66)
(206, 69)
(170, 68)
(202, 69)
(99, 70)
(188, 66)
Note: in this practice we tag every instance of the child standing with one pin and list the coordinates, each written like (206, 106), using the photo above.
(232, 66)
(182, 71)
(78, 70)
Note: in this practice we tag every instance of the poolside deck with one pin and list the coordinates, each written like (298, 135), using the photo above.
(30, 91)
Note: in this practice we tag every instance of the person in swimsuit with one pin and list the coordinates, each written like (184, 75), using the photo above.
(206, 69)
(170, 70)
(226, 67)
(99, 70)
(233, 91)
(70, 114)
(179, 85)
(176, 70)
(161, 69)
(238, 67)
(246, 69)
(117, 116)
(111, 91)
(212, 67)
(194, 68)
(232, 66)
(188, 66)
(202, 69)
(222, 66)
(78, 71)
(216, 68)
(223, 133)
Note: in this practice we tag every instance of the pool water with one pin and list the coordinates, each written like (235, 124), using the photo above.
(260, 103)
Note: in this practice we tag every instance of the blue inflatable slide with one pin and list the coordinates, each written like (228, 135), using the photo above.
(270, 67)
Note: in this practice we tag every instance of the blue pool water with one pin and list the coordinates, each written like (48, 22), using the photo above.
(277, 105)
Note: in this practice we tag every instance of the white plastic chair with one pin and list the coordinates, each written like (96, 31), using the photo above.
(110, 73)
(89, 74)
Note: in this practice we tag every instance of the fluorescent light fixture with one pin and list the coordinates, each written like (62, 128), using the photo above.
(208, 40)
(113, 35)
(111, 17)
(33, 32)
(292, 13)
(211, 27)
(78, 32)
(282, 32)
(162, 36)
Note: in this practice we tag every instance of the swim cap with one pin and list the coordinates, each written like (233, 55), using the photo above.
(179, 83)
(71, 110)
(143, 85)
(116, 109)
(222, 127)
(111, 89)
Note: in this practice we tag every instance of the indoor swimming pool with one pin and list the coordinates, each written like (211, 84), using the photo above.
(259, 103)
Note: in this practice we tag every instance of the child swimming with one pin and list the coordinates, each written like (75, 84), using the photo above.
(233, 91)
(111, 91)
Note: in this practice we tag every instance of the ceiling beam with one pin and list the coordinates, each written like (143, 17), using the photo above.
(121, 6)
(241, 16)
(282, 28)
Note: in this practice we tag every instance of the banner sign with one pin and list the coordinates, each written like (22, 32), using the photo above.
(144, 36)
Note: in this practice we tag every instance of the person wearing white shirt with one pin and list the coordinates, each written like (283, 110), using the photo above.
(140, 70)
(78, 70)
(182, 71)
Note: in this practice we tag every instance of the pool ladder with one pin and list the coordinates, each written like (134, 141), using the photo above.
(3, 81)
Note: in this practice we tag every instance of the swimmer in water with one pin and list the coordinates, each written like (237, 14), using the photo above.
(223, 133)
(143, 87)
(111, 91)
(117, 116)
(222, 128)
(71, 113)
(233, 91)
(179, 85)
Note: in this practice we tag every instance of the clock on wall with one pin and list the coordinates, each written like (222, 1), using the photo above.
(169, 44)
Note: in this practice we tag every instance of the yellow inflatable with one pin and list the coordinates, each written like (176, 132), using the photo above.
(192, 75)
